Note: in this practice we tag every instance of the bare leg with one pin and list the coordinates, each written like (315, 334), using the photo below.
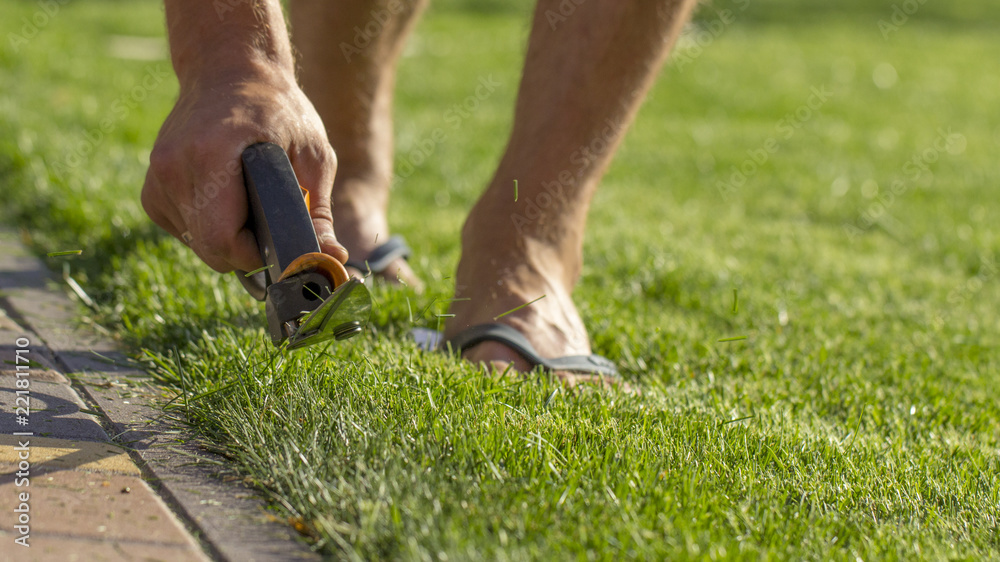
(348, 50)
(584, 79)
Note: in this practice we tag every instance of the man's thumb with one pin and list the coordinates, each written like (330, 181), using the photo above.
(328, 241)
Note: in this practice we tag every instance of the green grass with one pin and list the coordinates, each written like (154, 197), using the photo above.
(858, 419)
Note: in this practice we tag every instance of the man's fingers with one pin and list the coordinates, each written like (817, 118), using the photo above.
(322, 218)
(245, 254)
(328, 241)
(164, 214)
(218, 223)
(197, 195)
(239, 251)
(315, 166)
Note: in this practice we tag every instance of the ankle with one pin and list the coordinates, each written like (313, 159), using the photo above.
(493, 241)
(359, 215)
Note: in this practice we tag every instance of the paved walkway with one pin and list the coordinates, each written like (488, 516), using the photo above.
(69, 490)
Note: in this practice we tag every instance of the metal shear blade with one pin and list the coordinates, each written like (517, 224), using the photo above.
(337, 318)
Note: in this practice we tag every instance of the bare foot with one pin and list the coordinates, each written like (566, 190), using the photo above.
(580, 89)
(353, 95)
(492, 282)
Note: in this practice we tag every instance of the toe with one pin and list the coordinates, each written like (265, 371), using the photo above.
(497, 354)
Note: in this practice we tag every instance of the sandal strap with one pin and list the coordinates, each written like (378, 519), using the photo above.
(379, 259)
(510, 337)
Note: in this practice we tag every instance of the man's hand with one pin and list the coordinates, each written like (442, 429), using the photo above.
(237, 88)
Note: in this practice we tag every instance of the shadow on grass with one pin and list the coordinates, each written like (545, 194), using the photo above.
(164, 331)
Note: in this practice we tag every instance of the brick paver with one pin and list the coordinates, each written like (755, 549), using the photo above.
(88, 499)
(74, 499)
(99, 512)
(66, 491)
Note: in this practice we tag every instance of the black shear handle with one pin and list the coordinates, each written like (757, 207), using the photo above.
(278, 216)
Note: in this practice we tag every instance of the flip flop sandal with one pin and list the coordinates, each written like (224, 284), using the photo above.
(379, 259)
(432, 340)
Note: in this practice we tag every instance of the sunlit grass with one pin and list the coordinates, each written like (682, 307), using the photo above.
(818, 362)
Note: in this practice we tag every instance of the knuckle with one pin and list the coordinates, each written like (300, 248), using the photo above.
(204, 151)
(202, 145)
(214, 261)
(163, 160)
(329, 157)
(148, 200)
(323, 155)
(217, 248)
(322, 213)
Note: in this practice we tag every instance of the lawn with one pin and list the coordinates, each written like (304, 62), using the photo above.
(803, 177)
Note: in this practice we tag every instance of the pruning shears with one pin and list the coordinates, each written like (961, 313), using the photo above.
(308, 295)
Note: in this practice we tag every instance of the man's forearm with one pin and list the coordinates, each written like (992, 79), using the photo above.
(213, 39)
